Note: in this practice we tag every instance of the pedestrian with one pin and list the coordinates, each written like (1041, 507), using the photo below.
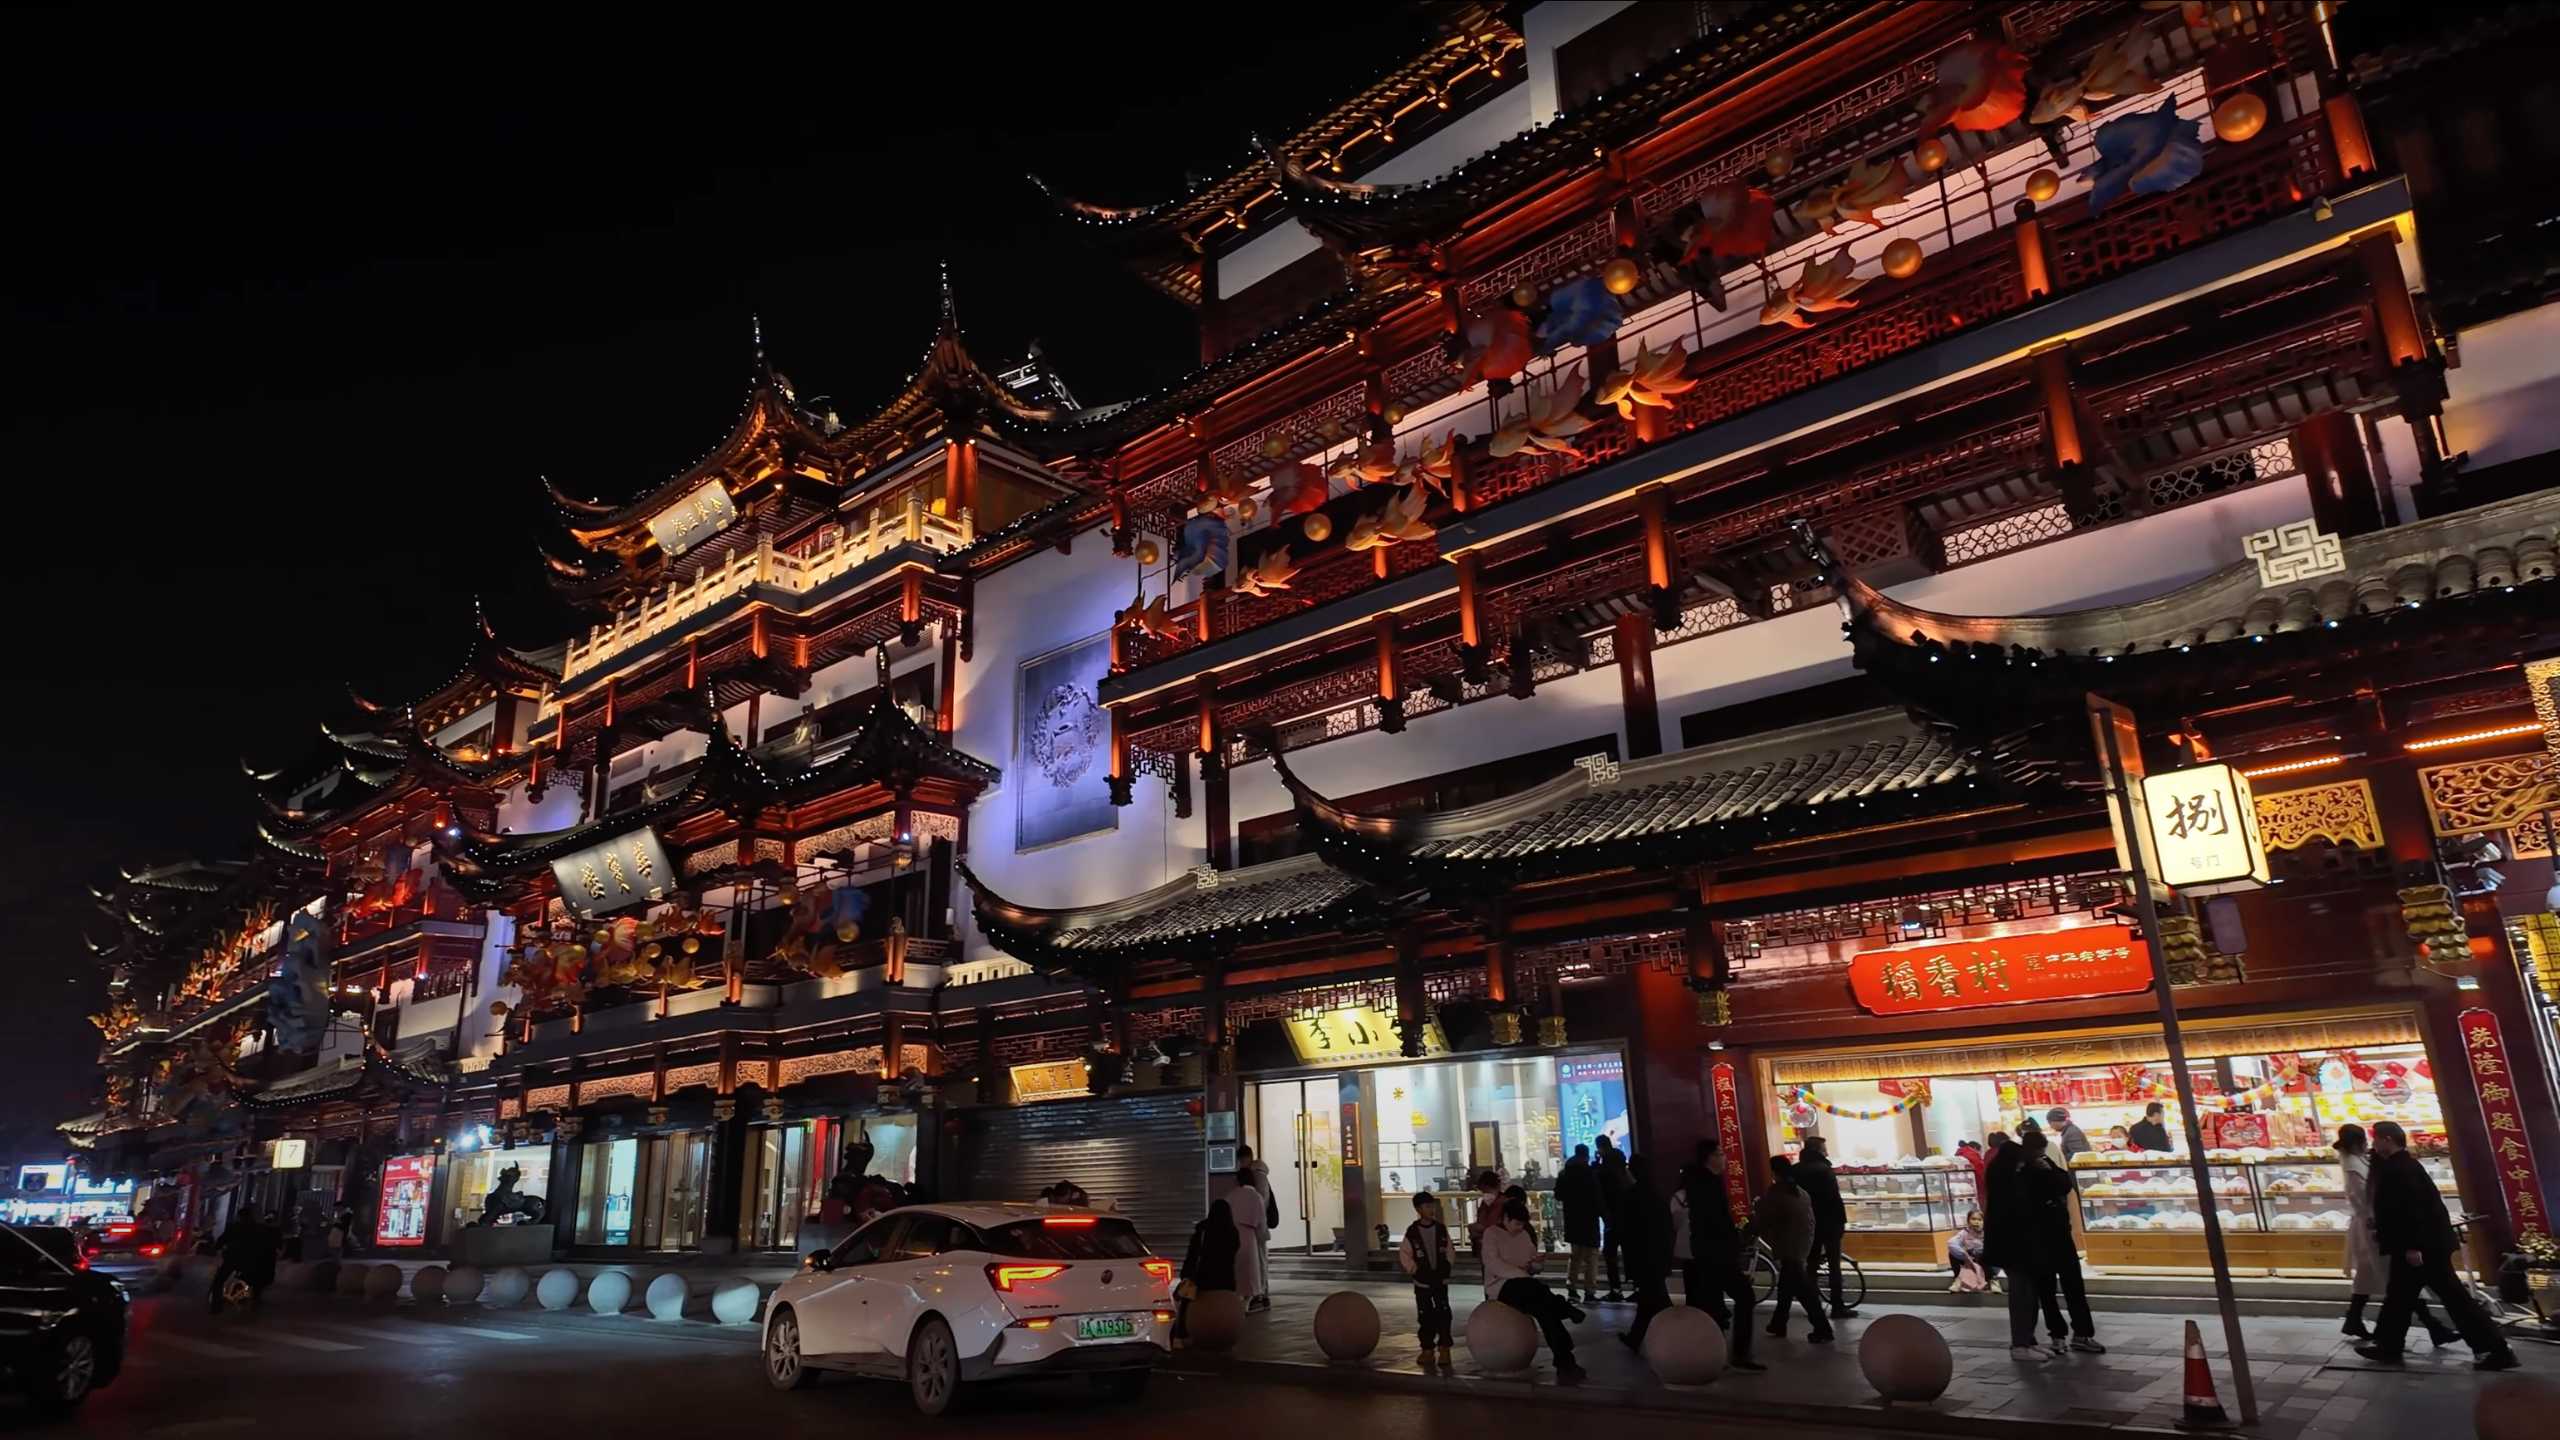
(2367, 1274)
(1270, 1216)
(249, 1247)
(1784, 1217)
(2005, 1239)
(1210, 1263)
(342, 1232)
(1648, 1246)
(1428, 1255)
(2151, 1132)
(2417, 1240)
(1970, 1152)
(2053, 1251)
(1967, 1271)
(1486, 1213)
(1830, 1216)
(1614, 1183)
(2067, 1135)
(1578, 1196)
(1510, 1276)
(1718, 1255)
(1246, 1203)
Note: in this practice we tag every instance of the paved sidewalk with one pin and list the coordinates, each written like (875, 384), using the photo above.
(2310, 1384)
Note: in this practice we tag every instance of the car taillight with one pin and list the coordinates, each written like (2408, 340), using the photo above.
(154, 1252)
(1160, 1269)
(1069, 1222)
(1006, 1277)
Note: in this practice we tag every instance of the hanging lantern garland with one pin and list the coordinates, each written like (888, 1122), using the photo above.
(1915, 1094)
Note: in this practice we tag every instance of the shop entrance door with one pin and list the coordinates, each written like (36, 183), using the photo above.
(1297, 1132)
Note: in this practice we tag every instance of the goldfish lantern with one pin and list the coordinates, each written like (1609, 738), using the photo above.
(1981, 85)
(2238, 118)
(1734, 222)
(1317, 527)
(1932, 154)
(693, 945)
(1902, 259)
(1780, 161)
(1246, 509)
(652, 950)
(1525, 296)
(1149, 552)
(2043, 185)
(1621, 276)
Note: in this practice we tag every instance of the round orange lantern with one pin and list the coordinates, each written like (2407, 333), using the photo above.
(2043, 185)
(1526, 297)
(1779, 163)
(1620, 276)
(1932, 154)
(2239, 117)
(1902, 259)
(1317, 527)
(1148, 552)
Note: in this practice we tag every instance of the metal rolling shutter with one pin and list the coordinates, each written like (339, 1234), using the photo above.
(1141, 1153)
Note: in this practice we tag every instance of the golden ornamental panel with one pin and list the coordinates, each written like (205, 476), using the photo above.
(2542, 678)
(546, 1097)
(612, 1087)
(2530, 838)
(685, 1077)
(2341, 813)
(2496, 794)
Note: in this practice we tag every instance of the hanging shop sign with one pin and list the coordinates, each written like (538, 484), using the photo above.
(2203, 826)
(1050, 1080)
(695, 518)
(621, 871)
(1356, 1036)
(2509, 1146)
(1728, 1101)
(2071, 964)
(406, 1182)
(288, 1154)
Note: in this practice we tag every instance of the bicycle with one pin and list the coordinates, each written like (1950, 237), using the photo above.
(1764, 1277)
(2501, 1312)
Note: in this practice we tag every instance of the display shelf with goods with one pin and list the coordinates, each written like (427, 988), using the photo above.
(1905, 1211)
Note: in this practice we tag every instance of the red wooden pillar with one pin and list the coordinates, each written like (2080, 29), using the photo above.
(1390, 676)
(1215, 815)
(1635, 686)
(2329, 449)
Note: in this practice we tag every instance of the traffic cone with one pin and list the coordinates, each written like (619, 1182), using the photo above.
(2204, 1409)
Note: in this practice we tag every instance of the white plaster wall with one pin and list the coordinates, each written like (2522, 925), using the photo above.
(2500, 404)
(1547, 26)
(480, 1028)
(1029, 609)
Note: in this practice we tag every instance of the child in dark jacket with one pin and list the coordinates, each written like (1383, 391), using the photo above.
(1426, 1255)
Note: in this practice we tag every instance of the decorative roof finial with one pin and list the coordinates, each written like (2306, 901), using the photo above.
(950, 310)
(755, 324)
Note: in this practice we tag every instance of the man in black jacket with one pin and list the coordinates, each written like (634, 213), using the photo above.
(2007, 1243)
(1646, 1214)
(1612, 1165)
(2053, 1251)
(1578, 1196)
(1830, 1216)
(2417, 1240)
(1715, 1273)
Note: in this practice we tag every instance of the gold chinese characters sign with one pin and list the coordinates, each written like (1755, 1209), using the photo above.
(619, 872)
(2203, 829)
(695, 518)
(2510, 1148)
(1359, 1036)
(2083, 961)
(1049, 1080)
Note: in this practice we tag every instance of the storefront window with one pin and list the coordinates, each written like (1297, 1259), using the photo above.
(786, 1175)
(609, 1170)
(476, 1174)
(646, 1192)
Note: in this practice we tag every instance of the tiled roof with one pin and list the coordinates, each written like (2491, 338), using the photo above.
(1201, 907)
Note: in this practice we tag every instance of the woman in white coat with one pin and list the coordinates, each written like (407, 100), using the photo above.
(2368, 1273)
(1246, 1202)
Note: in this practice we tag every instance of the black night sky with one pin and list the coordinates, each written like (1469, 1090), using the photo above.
(295, 320)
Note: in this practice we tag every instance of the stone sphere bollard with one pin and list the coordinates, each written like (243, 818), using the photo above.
(666, 1296)
(322, 1276)
(1502, 1340)
(2515, 1407)
(463, 1284)
(558, 1290)
(609, 1292)
(736, 1302)
(1347, 1326)
(427, 1287)
(509, 1286)
(1216, 1320)
(1905, 1358)
(351, 1277)
(1685, 1346)
(294, 1275)
(382, 1282)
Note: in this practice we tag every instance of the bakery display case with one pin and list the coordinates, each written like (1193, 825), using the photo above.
(1905, 1211)
(2283, 1208)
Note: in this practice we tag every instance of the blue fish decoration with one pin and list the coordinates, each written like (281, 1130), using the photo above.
(851, 904)
(1202, 546)
(2150, 153)
(1580, 312)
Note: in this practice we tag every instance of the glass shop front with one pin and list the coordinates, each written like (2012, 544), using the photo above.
(1421, 1125)
(2272, 1092)
(789, 1166)
(471, 1176)
(647, 1192)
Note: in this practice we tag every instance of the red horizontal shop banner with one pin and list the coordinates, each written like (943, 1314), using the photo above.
(2011, 970)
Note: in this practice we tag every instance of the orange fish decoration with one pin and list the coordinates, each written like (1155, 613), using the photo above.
(1399, 521)
(1824, 285)
(1549, 421)
(1269, 575)
(1497, 344)
(1297, 488)
(1434, 466)
(1981, 85)
(1372, 464)
(1650, 380)
(1734, 223)
(1226, 492)
(1873, 185)
(1152, 619)
(2115, 72)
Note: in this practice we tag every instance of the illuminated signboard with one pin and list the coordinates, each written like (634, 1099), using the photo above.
(406, 1182)
(2068, 964)
(1050, 1080)
(43, 1177)
(1357, 1036)
(288, 1154)
(695, 518)
(616, 873)
(2203, 826)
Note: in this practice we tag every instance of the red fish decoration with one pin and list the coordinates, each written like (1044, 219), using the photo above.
(1497, 344)
(1297, 488)
(1982, 85)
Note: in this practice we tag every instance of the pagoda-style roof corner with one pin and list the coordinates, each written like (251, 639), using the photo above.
(1200, 913)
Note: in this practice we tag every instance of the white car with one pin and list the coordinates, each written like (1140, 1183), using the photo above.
(939, 1296)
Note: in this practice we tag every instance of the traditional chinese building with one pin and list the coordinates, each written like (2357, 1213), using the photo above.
(1602, 644)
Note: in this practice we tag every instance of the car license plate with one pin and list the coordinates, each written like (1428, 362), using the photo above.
(1106, 1327)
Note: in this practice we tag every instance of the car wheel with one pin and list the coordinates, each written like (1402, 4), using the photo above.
(69, 1377)
(1123, 1384)
(783, 1368)
(933, 1367)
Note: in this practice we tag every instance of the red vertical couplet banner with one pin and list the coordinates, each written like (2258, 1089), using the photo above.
(1728, 1097)
(2509, 1147)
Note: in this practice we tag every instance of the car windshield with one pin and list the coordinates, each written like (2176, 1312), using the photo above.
(52, 1242)
(1067, 1237)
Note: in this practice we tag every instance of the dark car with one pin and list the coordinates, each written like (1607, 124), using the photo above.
(62, 1325)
